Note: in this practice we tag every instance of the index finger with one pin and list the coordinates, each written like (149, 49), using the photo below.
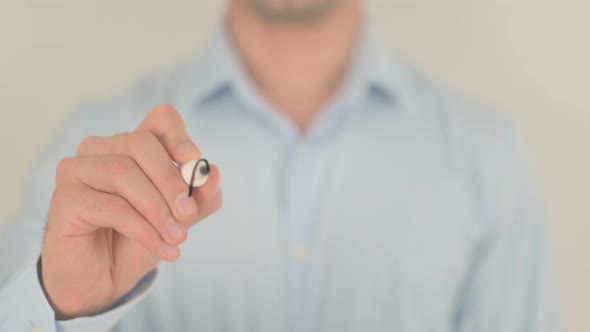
(167, 125)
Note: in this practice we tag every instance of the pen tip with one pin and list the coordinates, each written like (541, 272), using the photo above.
(205, 169)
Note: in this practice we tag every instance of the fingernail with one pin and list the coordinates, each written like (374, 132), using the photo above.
(186, 206)
(175, 230)
(169, 251)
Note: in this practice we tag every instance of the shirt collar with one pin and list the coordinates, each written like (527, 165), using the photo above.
(214, 69)
(381, 72)
(217, 69)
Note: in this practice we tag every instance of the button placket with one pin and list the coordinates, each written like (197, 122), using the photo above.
(301, 176)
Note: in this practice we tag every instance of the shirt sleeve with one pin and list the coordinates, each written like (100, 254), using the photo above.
(509, 286)
(105, 321)
(24, 306)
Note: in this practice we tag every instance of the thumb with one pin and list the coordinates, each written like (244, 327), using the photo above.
(167, 125)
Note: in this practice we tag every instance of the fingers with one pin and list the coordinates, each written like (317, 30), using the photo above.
(167, 125)
(145, 149)
(96, 209)
(160, 139)
(122, 176)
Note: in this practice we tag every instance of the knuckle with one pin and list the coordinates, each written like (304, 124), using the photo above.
(116, 205)
(96, 205)
(164, 112)
(165, 116)
(99, 204)
(120, 166)
(62, 168)
(87, 144)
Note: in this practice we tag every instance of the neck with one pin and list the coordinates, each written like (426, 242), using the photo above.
(296, 66)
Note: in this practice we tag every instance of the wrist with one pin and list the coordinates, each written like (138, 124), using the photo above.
(69, 305)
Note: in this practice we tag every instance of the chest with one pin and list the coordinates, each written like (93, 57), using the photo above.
(390, 226)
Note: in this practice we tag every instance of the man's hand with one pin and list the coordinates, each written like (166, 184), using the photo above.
(120, 206)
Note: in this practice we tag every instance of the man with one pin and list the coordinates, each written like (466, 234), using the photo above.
(358, 196)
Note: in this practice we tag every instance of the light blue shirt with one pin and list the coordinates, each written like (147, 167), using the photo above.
(406, 208)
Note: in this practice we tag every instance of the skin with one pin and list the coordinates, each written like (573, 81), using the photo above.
(296, 64)
(120, 206)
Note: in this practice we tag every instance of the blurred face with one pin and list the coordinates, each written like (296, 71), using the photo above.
(292, 10)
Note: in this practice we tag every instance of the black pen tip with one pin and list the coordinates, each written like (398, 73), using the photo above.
(204, 170)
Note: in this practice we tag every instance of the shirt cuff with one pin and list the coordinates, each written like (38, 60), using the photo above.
(23, 305)
(106, 320)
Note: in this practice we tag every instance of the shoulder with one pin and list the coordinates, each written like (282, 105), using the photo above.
(453, 110)
(478, 141)
(462, 123)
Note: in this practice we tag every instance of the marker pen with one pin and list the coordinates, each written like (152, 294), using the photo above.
(195, 173)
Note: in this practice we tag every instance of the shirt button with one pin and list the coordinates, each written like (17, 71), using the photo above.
(302, 254)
